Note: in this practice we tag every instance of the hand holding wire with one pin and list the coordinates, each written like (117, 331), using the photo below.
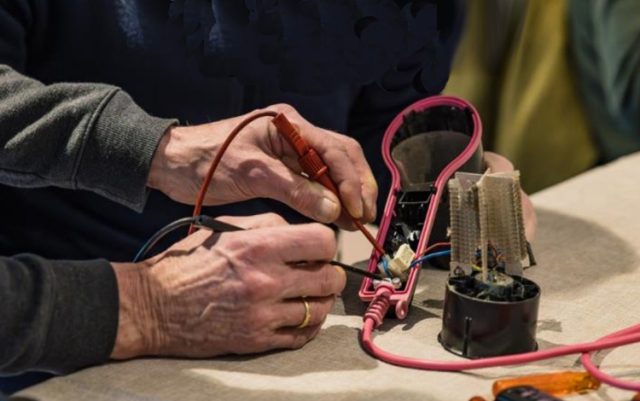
(351, 182)
(217, 226)
(252, 160)
(317, 170)
(237, 292)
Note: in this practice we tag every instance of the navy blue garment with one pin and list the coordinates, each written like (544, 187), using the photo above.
(349, 66)
(10, 385)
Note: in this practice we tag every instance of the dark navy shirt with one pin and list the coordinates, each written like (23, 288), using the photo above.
(349, 66)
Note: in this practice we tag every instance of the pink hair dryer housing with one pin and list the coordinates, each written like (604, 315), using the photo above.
(423, 147)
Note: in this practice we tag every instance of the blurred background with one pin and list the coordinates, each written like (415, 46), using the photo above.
(557, 82)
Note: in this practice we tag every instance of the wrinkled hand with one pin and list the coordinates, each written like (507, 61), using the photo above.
(498, 163)
(239, 292)
(259, 163)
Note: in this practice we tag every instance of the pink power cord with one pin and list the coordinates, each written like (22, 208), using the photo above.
(377, 309)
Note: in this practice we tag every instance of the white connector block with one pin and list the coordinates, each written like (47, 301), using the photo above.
(401, 262)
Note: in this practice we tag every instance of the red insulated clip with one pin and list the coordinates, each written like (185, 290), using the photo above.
(310, 161)
(313, 165)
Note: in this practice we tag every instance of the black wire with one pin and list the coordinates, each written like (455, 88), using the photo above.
(356, 270)
(203, 221)
(161, 233)
(200, 221)
(218, 226)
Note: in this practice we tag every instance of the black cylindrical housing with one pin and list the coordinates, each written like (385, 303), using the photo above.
(477, 328)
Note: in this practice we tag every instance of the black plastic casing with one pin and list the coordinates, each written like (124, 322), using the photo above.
(476, 328)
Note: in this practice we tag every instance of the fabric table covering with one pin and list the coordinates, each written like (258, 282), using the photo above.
(587, 248)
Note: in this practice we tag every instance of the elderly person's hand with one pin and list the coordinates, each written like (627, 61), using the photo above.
(498, 163)
(259, 163)
(238, 292)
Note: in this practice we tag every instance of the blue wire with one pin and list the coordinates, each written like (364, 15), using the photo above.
(385, 267)
(429, 256)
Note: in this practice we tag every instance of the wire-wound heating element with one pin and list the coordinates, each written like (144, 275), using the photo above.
(501, 213)
(464, 221)
(487, 210)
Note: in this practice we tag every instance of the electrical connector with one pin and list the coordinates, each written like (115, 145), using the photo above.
(401, 262)
(395, 282)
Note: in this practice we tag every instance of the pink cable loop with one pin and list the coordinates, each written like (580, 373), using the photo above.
(604, 377)
(627, 336)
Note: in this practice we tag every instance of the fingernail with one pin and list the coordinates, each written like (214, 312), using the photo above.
(329, 210)
(355, 210)
(371, 209)
(342, 273)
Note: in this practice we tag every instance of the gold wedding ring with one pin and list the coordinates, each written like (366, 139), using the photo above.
(307, 314)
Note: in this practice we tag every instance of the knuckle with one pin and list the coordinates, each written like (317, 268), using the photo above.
(251, 252)
(352, 145)
(275, 219)
(237, 248)
(300, 195)
(260, 286)
(243, 169)
(284, 108)
(253, 170)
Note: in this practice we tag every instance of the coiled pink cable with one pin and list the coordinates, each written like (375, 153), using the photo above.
(605, 377)
(375, 315)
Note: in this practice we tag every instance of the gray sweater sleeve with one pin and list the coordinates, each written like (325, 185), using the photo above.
(60, 316)
(57, 316)
(77, 136)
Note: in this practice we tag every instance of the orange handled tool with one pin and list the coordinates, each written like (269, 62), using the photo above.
(557, 384)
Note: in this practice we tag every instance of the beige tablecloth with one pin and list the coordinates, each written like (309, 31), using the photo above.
(588, 250)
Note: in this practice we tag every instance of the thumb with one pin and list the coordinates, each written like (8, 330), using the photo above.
(305, 196)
